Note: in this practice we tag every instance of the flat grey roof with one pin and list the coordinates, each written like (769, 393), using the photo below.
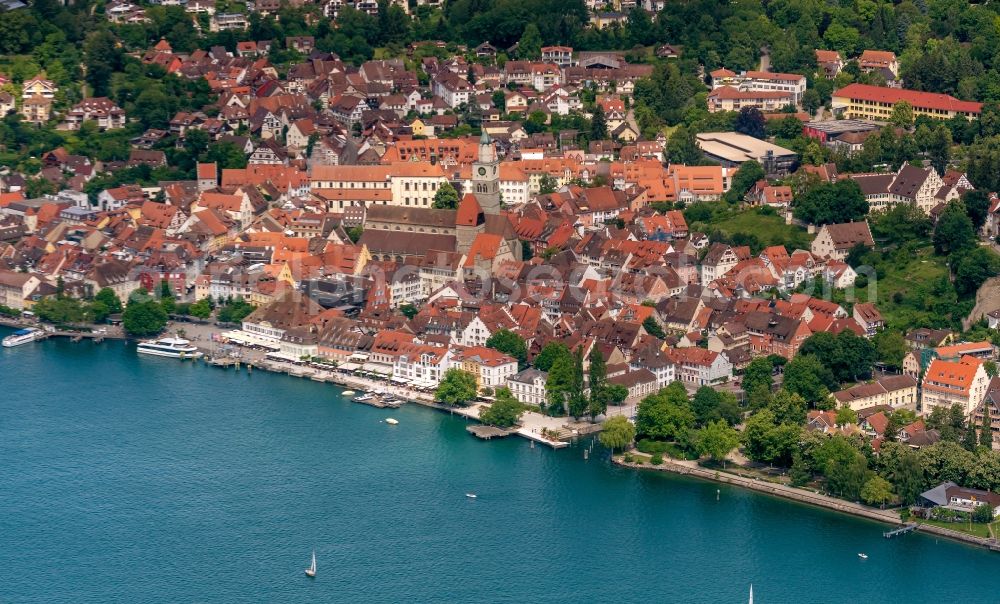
(736, 147)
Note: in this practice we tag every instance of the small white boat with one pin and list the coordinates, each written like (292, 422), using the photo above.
(311, 571)
(751, 593)
(391, 421)
(347, 392)
(21, 336)
(863, 556)
(176, 348)
(470, 495)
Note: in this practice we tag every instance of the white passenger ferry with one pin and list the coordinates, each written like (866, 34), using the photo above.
(177, 348)
(22, 336)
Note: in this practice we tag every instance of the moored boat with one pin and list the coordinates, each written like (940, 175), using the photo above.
(22, 336)
(177, 348)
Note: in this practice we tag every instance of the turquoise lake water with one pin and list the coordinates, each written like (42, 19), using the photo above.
(128, 479)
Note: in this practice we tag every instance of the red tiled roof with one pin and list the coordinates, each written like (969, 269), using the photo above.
(921, 100)
(468, 211)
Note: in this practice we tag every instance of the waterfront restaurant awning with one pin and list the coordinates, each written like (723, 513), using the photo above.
(377, 368)
(359, 356)
(284, 356)
(248, 339)
(400, 380)
(348, 366)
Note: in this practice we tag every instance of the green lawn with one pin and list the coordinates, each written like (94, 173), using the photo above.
(769, 229)
(977, 530)
(904, 289)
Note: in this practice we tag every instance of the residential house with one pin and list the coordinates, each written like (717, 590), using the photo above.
(895, 391)
(528, 386)
(946, 383)
(837, 240)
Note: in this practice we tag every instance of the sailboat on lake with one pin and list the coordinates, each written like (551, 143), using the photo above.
(311, 571)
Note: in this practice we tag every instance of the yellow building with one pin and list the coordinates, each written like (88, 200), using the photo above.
(861, 101)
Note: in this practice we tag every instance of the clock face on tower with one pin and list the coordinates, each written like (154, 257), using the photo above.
(482, 171)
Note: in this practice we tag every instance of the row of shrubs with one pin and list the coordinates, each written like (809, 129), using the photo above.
(657, 447)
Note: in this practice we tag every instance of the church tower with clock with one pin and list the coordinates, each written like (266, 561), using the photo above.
(486, 176)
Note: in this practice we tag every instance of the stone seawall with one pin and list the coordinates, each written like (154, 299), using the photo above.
(807, 497)
(770, 488)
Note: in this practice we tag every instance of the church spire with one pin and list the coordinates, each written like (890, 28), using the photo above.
(487, 151)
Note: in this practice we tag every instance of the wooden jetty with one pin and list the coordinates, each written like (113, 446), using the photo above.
(372, 402)
(906, 528)
(222, 361)
(486, 432)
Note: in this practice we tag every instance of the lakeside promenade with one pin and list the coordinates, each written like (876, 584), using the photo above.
(544, 429)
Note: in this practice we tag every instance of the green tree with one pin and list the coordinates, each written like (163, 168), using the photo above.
(559, 385)
(550, 352)
(617, 433)
(167, 300)
(598, 124)
(652, 327)
(547, 184)
(983, 513)
(446, 197)
(144, 318)
(110, 299)
(970, 439)
(832, 203)
(354, 233)
(530, 45)
(598, 374)
(457, 387)
(974, 268)
(666, 415)
(939, 148)
(767, 441)
(201, 309)
(848, 356)
(504, 412)
(811, 101)
(977, 206)
(102, 58)
(577, 401)
(682, 147)
(908, 476)
(499, 100)
(759, 374)
(846, 416)
(716, 440)
(954, 231)
(806, 376)
(800, 473)
(751, 122)
(409, 311)
(890, 348)
(745, 178)
(509, 343)
(788, 408)
(902, 114)
(986, 432)
(846, 474)
(877, 491)
(235, 311)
